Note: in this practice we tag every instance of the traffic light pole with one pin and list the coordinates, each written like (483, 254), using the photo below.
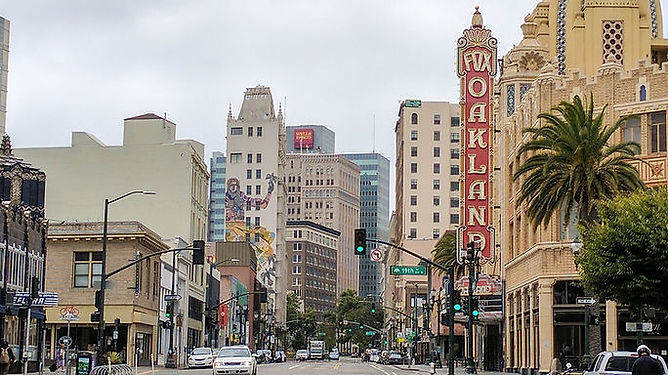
(451, 322)
(470, 365)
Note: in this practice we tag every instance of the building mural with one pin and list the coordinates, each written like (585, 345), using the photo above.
(238, 229)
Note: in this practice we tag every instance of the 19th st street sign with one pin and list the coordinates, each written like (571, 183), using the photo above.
(408, 270)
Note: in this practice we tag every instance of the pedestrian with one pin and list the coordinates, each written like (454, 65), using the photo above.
(60, 357)
(6, 357)
(645, 364)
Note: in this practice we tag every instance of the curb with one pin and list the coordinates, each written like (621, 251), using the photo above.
(408, 369)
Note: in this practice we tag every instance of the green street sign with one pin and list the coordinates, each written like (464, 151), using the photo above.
(370, 333)
(321, 333)
(414, 103)
(408, 270)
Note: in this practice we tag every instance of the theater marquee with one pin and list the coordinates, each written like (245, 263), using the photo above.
(476, 67)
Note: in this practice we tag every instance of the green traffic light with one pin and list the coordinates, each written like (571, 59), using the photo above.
(373, 311)
(457, 307)
(360, 249)
(475, 312)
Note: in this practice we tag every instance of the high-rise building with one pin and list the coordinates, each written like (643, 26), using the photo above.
(4, 70)
(312, 250)
(217, 169)
(255, 191)
(374, 214)
(325, 189)
(317, 139)
(427, 137)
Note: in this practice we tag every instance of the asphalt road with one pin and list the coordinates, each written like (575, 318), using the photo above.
(344, 366)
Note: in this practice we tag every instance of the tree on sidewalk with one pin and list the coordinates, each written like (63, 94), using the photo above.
(625, 257)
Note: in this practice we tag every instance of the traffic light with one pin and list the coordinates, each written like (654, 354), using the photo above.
(445, 318)
(34, 287)
(360, 241)
(98, 299)
(198, 252)
(373, 307)
(361, 326)
(470, 252)
(457, 303)
(475, 307)
(170, 310)
(340, 323)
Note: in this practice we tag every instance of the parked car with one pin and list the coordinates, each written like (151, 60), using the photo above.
(617, 363)
(280, 356)
(263, 356)
(395, 358)
(302, 355)
(235, 360)
(200, 357)
(334, 354)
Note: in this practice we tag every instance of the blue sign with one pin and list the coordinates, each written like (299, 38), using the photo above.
(44, 299)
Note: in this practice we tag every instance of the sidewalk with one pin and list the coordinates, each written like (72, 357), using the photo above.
(458, 370)
(73, 371)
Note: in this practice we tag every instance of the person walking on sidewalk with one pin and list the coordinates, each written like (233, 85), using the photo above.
(645, 364)
(6, 357)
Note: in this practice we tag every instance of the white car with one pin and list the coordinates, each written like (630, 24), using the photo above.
(617, 363)
(235, 360)
(302, 355)
(200, 357)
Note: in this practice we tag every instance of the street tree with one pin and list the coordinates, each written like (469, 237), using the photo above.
(302, 326)
(624, 258)
(351, 308)
(445, 253)
(571, 163)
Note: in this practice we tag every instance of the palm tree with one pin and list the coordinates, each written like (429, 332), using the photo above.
(445, 253)
(572, 164)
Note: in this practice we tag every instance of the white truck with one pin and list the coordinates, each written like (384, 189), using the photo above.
(317, 349)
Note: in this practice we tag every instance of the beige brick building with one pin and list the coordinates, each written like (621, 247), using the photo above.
(615, 51)
(74, 260)
(325, 189)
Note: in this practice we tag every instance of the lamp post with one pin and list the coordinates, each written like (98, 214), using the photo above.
(214, 264)
(576, 246)
(103, 276)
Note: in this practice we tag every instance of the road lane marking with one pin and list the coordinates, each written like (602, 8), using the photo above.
(293, 367)
(380, 369)
(336, 366)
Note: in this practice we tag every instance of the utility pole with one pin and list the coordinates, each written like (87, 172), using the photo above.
(472, 258)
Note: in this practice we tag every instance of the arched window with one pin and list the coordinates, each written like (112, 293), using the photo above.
(414, 118)
(643, 93)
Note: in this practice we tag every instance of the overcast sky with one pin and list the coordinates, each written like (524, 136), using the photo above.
(87, 65)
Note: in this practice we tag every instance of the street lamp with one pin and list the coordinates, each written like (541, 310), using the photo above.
(103, 275)
(210, 290)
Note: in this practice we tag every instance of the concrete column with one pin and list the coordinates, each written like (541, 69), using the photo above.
(611, 325)
(546, 321)
(132, 332)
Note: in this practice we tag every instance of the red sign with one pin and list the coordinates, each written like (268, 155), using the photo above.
(476, 66)
(303, 139)
(222, 316)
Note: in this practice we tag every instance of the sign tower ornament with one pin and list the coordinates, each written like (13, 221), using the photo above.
(476, 68)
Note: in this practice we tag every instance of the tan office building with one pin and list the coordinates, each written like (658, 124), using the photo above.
(325, 189)
(615, 51)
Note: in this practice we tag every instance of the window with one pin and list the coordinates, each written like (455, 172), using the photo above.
(437, 167)
(412, 233)
(437, 135)
(413, 183)
(454, 170)
(657, 132)
(437, 217)
(87, 269)
(249, 174)
(414, 151)
(413, 217)
(437, 200)
(454, 153)
(258, 158)
(643, 93)
(454, 137)
(435, 233)
(237, 131)
(259, 131)
(414, 118)
(454, 202)
(258, 173)
(454, 219)
(249, 158)
(454, 186)
(250, 131)
(454, 121)
(437, 184)
(437, 152)
(235, 158)
(296, 270)
(413, 200)
(414, 135)
(249, 189)
(195, 309)
(413, 167)
(631, 130)
(437, 119)
(257, 221)
(296, 258)
(258, 189)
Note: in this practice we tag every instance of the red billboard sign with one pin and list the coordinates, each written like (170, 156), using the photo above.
(303, 139)
(476, 67)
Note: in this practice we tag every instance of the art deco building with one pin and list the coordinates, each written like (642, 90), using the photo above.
(614, 51)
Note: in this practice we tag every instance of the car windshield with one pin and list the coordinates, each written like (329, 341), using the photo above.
(395, 355)
(233, 352)
(623, 364)
(201, 351)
